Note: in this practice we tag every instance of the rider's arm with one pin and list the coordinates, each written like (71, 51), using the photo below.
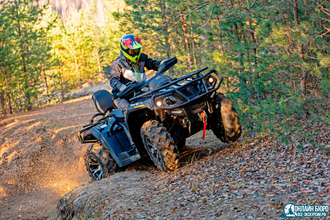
(115, 73)
(150, 64)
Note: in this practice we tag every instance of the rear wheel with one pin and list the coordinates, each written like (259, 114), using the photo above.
(99, 163)
(227, 127)
(160, 145)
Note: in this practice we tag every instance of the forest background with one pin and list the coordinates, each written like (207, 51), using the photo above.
(274, 55)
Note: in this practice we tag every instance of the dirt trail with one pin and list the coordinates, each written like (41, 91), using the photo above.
(41, 159)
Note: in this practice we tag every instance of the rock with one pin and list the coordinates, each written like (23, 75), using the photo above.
(90, 199)
(35, 150)
(13, 157)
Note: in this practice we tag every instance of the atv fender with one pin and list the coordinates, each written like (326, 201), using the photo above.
(137, 114)
(113, 136)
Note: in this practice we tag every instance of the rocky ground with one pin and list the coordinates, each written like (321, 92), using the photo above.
(42, 174)
(240, 181)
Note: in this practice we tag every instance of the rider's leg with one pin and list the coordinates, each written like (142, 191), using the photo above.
(122, 105)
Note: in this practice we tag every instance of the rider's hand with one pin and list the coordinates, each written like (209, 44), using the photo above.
(160, 63)
(122, 88)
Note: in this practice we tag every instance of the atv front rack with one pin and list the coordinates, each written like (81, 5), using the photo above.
(195, 87)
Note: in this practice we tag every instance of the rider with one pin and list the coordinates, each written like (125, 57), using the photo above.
(129, 66)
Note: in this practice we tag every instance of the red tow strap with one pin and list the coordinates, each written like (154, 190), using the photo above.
(204, 129)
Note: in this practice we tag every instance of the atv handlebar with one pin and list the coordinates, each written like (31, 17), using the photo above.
(166, 65)
(133, 87)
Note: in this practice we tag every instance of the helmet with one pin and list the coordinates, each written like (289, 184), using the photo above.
(131, 46)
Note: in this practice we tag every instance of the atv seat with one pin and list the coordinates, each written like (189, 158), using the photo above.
(103, 101)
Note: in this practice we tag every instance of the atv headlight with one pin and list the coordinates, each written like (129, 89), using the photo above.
(158, 102)
(168, 101)
(211, 82)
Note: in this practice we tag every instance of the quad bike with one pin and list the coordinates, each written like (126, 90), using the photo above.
(162, 113)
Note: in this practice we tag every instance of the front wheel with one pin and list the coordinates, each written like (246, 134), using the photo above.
(99, 163)
(227, 127)
(160, 145)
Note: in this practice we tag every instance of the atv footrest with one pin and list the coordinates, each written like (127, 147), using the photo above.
(130, 156)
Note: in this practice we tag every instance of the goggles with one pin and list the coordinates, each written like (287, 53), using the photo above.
(133, 52)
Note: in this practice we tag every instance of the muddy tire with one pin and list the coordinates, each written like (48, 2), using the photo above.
(160, 145)
(99, 163)
(227, 127)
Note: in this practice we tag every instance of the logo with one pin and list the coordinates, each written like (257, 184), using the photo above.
(291, 211)
(127, 43)
(137, 40)
(139, 106)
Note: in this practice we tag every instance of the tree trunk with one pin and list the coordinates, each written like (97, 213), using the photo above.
(3, 103)
(247, 51)
(220, 44)
(303, 80)
(254, 41)
(47, 89)
(239, 55)
(61, 82)
(8, 93)
(100, 73)
(167, 44)
(186, 39)
(21, 45)
(193, 44)
(194, 51)
(163, 8)
(2, 96)
(3, 99)
(254, 50)
(77, 68)
(295, 11)
(25, 75)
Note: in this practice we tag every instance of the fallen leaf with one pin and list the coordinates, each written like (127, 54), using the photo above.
(306, 191)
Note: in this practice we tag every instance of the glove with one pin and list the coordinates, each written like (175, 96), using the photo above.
(159, 63)
(122, 87)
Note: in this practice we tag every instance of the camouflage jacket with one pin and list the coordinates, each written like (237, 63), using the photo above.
(123, 70)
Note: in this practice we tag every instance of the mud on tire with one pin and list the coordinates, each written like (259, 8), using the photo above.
(160, 145)
(227, 128)
(99, 163)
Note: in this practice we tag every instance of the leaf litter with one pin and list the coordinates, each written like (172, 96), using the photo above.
(251, 180)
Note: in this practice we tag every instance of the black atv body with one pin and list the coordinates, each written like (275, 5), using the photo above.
(110, 131)
(162, 113)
